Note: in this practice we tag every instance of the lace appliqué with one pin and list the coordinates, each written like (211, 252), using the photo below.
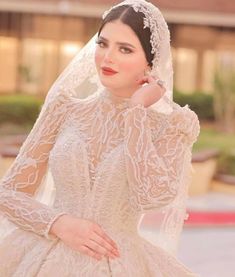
(153, 20)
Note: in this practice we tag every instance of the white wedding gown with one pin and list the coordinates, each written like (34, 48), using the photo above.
(110, 163)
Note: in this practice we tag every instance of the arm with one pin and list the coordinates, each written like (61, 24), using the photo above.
(155, 165)
(26, 173)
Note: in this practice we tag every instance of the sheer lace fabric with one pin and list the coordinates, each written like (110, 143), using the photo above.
(27, 172)
(110, 163)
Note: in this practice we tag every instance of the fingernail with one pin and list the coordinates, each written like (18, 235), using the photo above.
(117, 253)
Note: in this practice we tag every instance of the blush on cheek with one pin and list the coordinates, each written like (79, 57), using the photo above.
(131, 66)
(132, 69)
(98, 59)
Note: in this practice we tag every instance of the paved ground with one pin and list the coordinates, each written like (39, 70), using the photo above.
(209, 251)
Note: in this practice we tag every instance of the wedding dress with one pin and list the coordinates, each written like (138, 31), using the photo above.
(109, 163)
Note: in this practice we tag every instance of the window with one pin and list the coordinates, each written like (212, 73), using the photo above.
(185, 69)
(8, 66)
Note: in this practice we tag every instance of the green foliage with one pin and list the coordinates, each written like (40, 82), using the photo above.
(226, 163)
(224, 98)
(201, 103)
(209, 138)
(19, 109)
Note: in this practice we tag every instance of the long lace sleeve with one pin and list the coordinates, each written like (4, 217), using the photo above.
(25, 175)
(155, 157)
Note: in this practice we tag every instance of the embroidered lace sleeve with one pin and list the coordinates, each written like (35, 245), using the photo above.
(155, 157)
(25, 175)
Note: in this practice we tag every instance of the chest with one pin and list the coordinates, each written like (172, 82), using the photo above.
(94, 138)
(94, 134)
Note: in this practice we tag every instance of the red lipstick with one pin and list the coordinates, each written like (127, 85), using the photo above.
(108, 71)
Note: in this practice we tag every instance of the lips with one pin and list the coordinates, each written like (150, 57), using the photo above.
(108, 70)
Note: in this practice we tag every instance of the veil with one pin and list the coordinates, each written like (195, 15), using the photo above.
(80, 80)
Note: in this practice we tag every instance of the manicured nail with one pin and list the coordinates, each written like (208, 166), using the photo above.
(117, 253)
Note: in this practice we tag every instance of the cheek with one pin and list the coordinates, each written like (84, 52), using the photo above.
(133, 66)
(98, 58)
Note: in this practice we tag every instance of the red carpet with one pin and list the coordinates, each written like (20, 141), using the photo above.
(201, 218)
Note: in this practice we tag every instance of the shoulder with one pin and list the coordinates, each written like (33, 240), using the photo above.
(62, 96)
(77, 105)
(182, 120)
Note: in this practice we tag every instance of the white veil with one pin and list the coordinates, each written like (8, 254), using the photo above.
(80, 79)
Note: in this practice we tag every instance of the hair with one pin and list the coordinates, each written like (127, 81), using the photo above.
(127, 15)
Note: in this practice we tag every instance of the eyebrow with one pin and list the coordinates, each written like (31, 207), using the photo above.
(119, 43)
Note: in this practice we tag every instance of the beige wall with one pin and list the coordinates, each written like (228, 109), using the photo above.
(197, 52)
(38, 47)
(8, 63)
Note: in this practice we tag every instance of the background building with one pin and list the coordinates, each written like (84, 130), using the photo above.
(39, 38)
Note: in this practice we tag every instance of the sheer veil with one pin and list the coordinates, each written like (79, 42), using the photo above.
(80, 80)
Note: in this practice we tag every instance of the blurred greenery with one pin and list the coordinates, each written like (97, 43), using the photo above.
(200, 102)
(227, 163)
(209, 138)
(224, 98)
(23, 109)
(19, 109)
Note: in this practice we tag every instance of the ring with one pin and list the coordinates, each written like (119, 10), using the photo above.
(160, 83)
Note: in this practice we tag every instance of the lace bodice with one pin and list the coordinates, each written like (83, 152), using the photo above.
(109, 162)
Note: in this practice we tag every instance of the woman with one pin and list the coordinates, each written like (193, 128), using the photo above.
(114, 155)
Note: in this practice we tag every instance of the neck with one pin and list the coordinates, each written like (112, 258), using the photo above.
(115, 98)
(118, 95)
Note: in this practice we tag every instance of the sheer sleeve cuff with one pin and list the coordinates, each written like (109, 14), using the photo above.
(46, 234)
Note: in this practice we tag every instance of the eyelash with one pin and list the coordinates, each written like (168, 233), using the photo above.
(99, 42)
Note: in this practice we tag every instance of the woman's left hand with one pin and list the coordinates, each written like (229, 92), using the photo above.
(148, 94)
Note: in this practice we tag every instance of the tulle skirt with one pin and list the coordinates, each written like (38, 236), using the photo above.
(25, 254)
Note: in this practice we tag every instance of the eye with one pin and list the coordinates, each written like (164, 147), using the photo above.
(100, 43)
(126, 50)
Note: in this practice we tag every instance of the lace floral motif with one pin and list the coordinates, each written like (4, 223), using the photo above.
(23, 178)
(110, 163)
(155, 167)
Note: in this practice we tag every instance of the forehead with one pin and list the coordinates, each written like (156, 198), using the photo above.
(118, 31)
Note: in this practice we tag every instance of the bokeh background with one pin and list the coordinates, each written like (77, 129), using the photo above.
(39, 38)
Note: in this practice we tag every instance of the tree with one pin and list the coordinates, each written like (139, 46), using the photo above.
(224, 97)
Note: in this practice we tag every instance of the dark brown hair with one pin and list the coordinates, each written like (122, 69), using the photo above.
(135, 21)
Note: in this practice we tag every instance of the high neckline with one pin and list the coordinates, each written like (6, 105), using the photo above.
(117, 101)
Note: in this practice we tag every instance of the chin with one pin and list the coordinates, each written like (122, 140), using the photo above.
(116, 84)
(110, 84)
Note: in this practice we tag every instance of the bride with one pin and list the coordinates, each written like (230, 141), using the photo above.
(117, 146)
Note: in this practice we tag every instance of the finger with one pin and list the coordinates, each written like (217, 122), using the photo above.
(108, 240)
(102, 234)
(142, 80)
(147, 79)
(105, 244)
(89, 252)
(99, 249)
(151, 79)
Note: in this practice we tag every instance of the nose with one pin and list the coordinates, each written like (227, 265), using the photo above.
(109, 55)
